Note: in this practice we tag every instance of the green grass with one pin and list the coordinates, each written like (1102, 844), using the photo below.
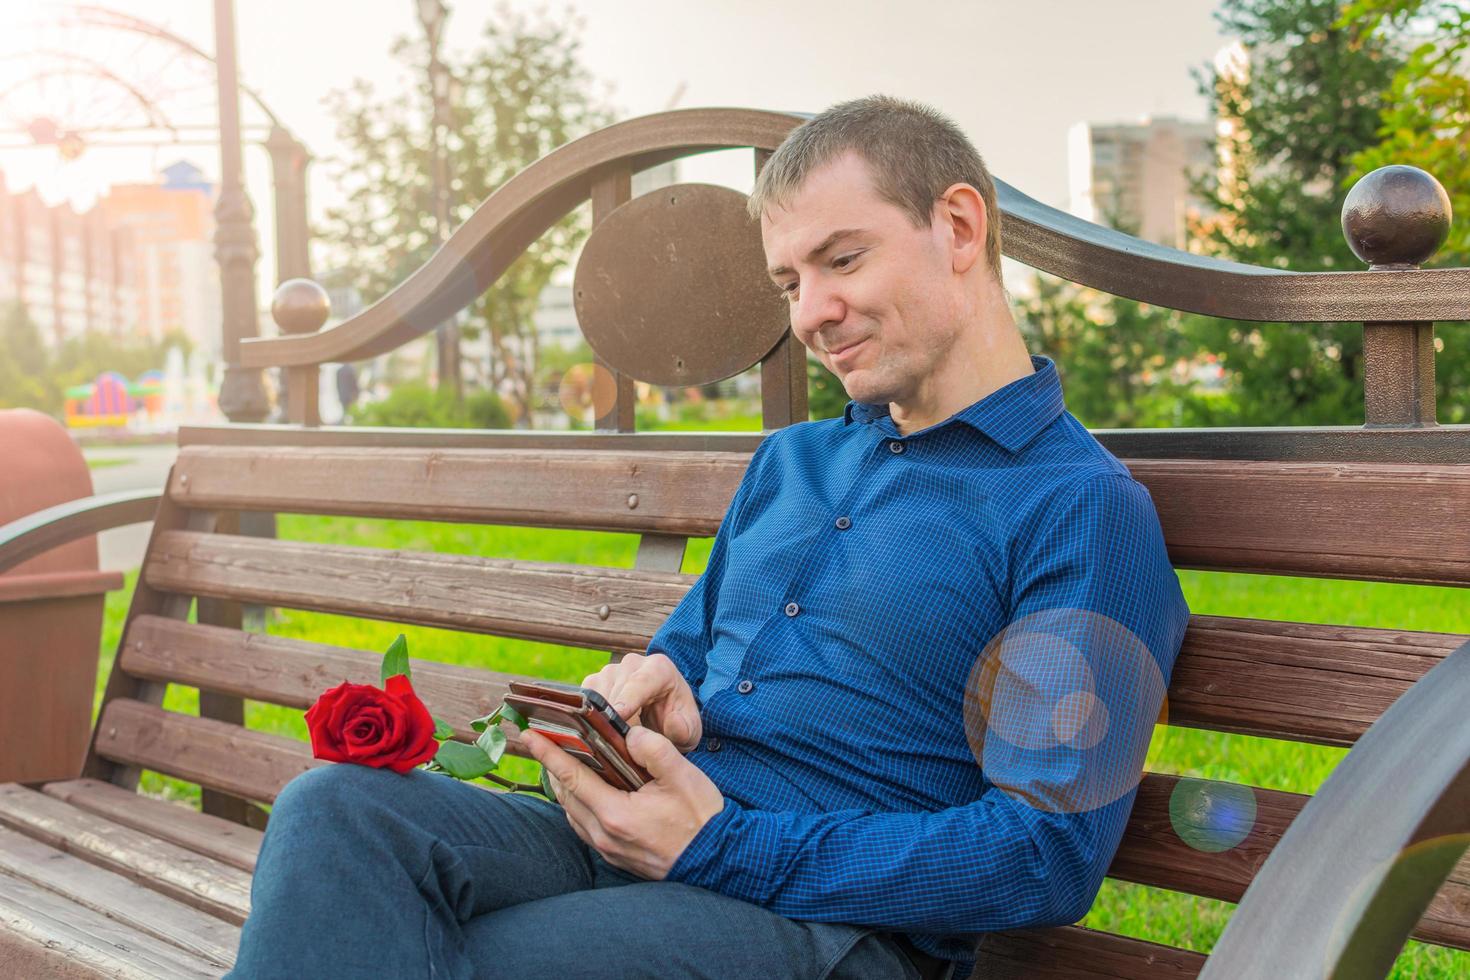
(1135, 910)
(733, 423)
(103, 462)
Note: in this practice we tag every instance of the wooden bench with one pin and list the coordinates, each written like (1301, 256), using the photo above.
(98, 880)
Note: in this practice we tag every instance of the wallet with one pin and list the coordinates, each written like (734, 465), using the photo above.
(582, 722)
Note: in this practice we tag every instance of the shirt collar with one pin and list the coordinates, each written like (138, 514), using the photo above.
(1012, 415)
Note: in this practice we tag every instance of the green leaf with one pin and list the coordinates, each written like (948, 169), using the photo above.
(443, 729)
(463, 761)
(395, 661)
(503, 713)
(513, 716)
(492, 742)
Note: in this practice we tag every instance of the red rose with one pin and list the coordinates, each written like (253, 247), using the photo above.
(360, 723)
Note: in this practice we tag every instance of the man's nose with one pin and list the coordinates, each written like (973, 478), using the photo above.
(816, 306)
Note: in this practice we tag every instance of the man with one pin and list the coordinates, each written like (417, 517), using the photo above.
(906, 704)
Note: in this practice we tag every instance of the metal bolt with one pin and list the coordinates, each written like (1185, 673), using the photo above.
(632, 500)
(603, 612)
(112, 733)
(184, 480)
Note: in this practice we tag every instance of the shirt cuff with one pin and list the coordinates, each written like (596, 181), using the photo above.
(699, 864)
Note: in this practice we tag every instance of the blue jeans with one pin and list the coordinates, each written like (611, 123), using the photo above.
(367, 873)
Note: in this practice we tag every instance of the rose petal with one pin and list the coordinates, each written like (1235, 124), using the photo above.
(417, 744)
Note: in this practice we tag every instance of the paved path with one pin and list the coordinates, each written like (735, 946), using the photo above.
(147, 467)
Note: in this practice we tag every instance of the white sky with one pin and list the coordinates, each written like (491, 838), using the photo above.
(1014, 75)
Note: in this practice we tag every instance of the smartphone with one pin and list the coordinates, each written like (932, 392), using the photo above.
(582, 722)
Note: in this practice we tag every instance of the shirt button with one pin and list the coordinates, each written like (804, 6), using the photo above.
(745, 687)
(792, 609)
(895, 447)
(712, 743)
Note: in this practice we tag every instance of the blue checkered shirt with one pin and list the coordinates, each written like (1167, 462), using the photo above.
(928, 668)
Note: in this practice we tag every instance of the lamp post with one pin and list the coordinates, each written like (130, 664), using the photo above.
(242, 394)
(433, 14)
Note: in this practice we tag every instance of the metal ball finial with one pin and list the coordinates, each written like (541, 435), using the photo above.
(300, 306)
(1396, 216)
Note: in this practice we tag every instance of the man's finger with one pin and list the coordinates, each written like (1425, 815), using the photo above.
(656, 753)
(574, 776)
(648, 684)
(581, 818)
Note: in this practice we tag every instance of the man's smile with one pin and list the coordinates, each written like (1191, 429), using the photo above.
(843, 355)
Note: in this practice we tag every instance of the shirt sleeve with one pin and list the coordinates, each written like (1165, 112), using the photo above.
(1059, 713)
(685, 636)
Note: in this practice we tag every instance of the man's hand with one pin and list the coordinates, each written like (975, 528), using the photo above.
(642, 832)
(650, 691)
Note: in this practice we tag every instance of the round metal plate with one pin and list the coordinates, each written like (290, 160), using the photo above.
(671, 287)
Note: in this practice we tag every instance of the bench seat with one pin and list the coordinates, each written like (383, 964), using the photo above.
(96, 880)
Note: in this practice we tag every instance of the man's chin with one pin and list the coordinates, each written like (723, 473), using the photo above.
(859, 391)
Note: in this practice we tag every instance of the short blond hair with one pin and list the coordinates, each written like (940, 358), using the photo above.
(913, 153)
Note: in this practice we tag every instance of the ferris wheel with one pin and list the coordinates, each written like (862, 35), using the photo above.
(83, 78)
(84, 82)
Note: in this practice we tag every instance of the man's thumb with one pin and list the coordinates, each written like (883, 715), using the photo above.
(653, 751)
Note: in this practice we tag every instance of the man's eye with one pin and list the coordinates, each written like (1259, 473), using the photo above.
(789, 289)
(843, 261)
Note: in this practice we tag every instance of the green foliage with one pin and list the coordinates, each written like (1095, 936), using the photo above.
(31, 376)
(1103, 345)
(515, 98)
(462, 761)
(81, 358)
(1426, 124)
(395, 660)
(825, 396)
(416, 405)
(1310, 99)
(1427, 117)
(25, 380)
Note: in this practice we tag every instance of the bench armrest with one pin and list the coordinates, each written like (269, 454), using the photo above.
(34, 534)
(1354, 873)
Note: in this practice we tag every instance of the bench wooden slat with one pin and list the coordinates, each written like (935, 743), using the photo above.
(1229, 515)
(1299, 681)
(554, 603)
(222, 891)
(294, 673)
(45, 937)
(1308, 518)
(677, 493)
(1153, 853)
(245, 763)
(118, 898)
(1076, 953)
(1302, 681)
(202, 833)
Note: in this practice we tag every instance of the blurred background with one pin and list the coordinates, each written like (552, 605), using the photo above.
(369, 130)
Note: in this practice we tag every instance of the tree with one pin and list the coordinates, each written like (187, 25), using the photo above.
(25, 380)
(80, 359)
(523, 93)
(1427, 124)
(1308, 98)
(1113, 355)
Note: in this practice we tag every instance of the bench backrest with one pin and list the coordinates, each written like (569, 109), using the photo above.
(1321, 684)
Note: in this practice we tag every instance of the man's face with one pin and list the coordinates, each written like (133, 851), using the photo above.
(871, 295)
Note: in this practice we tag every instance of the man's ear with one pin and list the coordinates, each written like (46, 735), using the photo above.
(962, 207)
